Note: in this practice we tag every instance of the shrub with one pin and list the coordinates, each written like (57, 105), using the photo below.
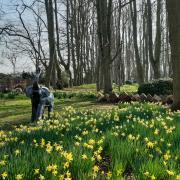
(11, 95)
(160, 87)
(129, 82)
(84, 95)
(1, 95)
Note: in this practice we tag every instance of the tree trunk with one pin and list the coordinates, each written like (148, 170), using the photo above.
(52, 52)
(104, 11)
(154, 57)
(140, 73)
(173, 7)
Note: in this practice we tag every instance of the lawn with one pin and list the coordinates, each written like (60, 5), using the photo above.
(18, 110)
(87, 140)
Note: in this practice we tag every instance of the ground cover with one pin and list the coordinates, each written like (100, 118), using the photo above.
(136, 140)
(17, 109)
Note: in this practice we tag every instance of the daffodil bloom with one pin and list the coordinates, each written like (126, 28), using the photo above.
(19, 177)
(84, 156)
(131, 137)
(146, 173)
(99, 158)
(66, 165)
(17, 152)
(36, 171)
(170, 173)
(77, 143)
(178, 177)
(150, 145)
(43, 142)
(153, 177)
(41, 177)
(95, 169)
(61, 177)
(119, 172)
(49, 168)
(58, 148)
(156, 132)
(68, 156)
(109, 174)
(116, 117)
(3, 163)
(4, 175)
(91, 142)
(167, 156)
(54, 172)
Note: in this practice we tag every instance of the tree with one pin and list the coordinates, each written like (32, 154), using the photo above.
(140, 73)
(104, 9)
(173, 7)
(12, 57)
(51, 38)
(154, 57)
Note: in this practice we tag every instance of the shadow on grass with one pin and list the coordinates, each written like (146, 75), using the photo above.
(15, 115)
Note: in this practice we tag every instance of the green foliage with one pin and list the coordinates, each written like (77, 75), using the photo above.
(139, 140)
(128, 88)
(10, 95)
(82, 95)
(160, 87)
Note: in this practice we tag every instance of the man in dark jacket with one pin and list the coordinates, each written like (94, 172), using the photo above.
(40, 98)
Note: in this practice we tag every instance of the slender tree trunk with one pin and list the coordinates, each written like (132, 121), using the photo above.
(140, 73)
(52, 51)
(154, 57)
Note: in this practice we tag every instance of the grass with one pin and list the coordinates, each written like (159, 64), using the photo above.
(132, 88)
(128, 88)
(88, 140)
(18, 109)
(137, 140)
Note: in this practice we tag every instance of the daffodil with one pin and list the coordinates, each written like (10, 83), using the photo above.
(19, 177)
(66, 165)
(36, 171)
(153, 177)
(170, 173)
(41, 177)
(4, 175)
(150, 145)
(109, 174)
(54, 172)
(167, 156)
(146, 173)
(84, 156)
(95, 169)
(99, 158)
(178, 177)
(17, 152)
(3, 163)
(77, 143)
(49, 168)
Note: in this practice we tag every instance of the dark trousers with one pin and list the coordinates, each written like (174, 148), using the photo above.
(34, 111)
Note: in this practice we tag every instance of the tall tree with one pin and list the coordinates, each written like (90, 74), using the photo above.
(154, 56)
(173, 7)
(51, 38)
(104, 12)
(140, 72)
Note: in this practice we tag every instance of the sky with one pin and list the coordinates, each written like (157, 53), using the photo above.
(23, 62)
